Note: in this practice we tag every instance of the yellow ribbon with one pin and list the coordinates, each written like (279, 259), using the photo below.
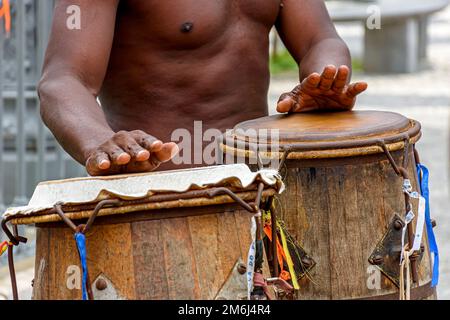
(288, 259)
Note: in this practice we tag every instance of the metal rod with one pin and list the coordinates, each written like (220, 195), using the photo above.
(406, 153)
(98, 207)
(21, 177)
(12, 271)
(242, 203)
(61, 214)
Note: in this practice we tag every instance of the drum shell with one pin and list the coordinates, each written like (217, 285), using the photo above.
(182, 253)
(339, 209)
(341, 194)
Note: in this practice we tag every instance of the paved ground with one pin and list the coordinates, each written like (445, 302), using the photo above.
(424, 96)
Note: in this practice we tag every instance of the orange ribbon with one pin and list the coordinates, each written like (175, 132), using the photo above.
(5, 11)
(281, 256)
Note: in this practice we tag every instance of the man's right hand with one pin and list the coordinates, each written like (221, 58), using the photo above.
(129, 152)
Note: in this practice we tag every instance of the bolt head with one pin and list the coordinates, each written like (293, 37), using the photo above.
(433, 223)
(398, 224)
(101, 284)
(377, 260)
(241, 268)
(307, 262)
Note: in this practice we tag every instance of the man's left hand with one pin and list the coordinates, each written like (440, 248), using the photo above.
(328, 91)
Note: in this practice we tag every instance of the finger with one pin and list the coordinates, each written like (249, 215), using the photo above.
(356, 88)
(147, 141)
(127, 143)
(167, 152)
(327, 78)
(305, 104)
(97, 163)
(311, 82)
(156, 146)
(285, 103)
(117, 155)
(341, 78)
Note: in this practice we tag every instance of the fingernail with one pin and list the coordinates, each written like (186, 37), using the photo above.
(156, 143)
(124, 157)
(143, 155)
(104, 164)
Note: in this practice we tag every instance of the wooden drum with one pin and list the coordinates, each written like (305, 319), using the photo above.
(169, 235)
(344, 201)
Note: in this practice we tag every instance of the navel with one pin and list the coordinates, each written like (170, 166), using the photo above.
(187, 27)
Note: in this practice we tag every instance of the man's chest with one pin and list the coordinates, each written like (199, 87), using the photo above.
(198, 20)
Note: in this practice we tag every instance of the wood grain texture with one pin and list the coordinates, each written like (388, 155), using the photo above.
(243, 223)
(148, 259)
(228, 242)
(41, 274)
(314, 233)
(180, 264)
(346, 265)
(204, 234)
(63, 255)
(109, 252)
(338, 213)
(374, 219)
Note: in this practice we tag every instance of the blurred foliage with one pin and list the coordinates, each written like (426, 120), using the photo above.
(284, 63)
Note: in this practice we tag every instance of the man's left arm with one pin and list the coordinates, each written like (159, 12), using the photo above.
(323, 58)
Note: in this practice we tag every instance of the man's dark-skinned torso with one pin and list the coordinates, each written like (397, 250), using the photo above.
(185, 60)
(158, 66)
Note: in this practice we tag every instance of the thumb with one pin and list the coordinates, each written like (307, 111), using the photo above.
(285, 103)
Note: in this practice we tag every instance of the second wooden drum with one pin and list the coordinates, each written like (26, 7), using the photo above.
(344, 200)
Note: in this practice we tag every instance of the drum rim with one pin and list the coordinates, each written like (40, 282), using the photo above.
(367, 145)
(79, 212)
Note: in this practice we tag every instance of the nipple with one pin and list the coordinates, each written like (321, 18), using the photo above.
(187, 27)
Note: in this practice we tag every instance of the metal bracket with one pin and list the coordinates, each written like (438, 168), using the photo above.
(103, 289)
(235, 287)
(386, 255)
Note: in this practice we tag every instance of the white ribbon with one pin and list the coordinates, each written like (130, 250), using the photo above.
(419, 225)
(251, 259)
(409, 217)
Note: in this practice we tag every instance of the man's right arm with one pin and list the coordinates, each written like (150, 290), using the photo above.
(74, 68)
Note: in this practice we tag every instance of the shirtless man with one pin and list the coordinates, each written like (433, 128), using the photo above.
(156, 66)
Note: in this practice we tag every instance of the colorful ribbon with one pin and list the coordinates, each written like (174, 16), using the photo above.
(4, 246)
(80, 239)
(423, 173)
(5, 11)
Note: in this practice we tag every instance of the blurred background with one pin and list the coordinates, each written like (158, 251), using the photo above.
(400, 47)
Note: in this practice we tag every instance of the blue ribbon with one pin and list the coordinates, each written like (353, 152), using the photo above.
(80, 239)
(422, 173)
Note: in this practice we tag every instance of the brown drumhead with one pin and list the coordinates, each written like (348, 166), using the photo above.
(327, 126)
(358, 132)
